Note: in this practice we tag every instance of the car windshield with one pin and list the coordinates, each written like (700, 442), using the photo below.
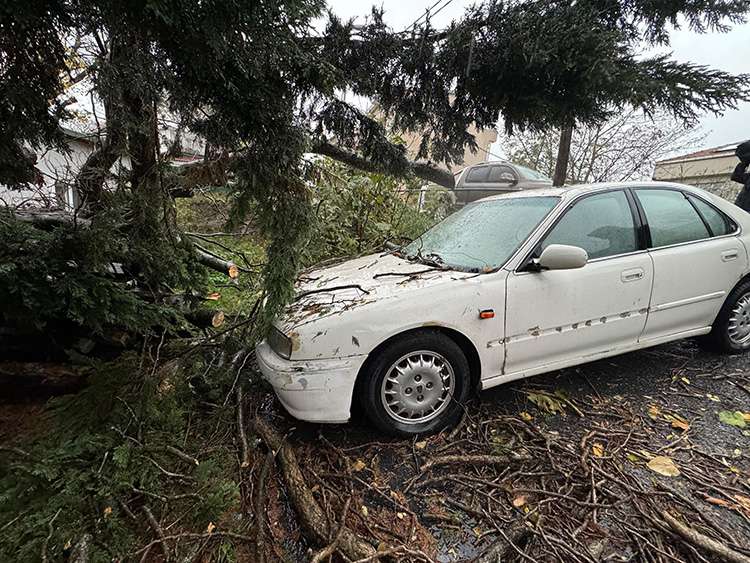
(482, 235)
(532, 174)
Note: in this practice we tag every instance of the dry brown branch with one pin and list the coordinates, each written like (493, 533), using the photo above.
(156, 527)
(241, 428)
(312, 516)
(333, 546)
(704, 542)
(174, 451)
(260, 509)
(507, 459)
(508, 540)
(191, 535)
(49, 535)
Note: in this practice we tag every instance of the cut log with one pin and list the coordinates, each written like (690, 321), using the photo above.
(205, 318)
(211, 260)
(197, 315)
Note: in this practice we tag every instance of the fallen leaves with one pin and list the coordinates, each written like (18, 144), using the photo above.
(735, 418)
(598, 450)
(546, 403)
(663, 466)
(681, 425)
(358, 465)
(743, 503)
(714, 500)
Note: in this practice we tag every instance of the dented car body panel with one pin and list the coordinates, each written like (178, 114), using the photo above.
(540, 320)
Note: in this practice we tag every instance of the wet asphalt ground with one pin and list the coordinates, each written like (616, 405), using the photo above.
(676, 379)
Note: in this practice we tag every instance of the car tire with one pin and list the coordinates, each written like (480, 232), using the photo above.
(730, 332)
(416, 385)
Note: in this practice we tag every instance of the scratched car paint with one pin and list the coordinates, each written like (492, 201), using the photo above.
(404, 336)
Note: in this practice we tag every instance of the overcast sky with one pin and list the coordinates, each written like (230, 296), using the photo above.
(725, 51)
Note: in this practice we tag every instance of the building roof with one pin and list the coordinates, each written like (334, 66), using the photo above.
(715, 152)
(186, 159)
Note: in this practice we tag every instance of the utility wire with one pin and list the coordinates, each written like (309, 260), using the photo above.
(427, 13)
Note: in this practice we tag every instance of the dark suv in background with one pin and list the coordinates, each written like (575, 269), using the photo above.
(492, 178)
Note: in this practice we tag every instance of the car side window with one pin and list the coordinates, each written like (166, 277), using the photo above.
(501, 174)
(717, 221)
(477, 175)
(671, 218)
(601, 224)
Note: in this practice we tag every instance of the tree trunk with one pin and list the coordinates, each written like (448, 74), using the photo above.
(563, 155)
(22, 379)
(425, 170)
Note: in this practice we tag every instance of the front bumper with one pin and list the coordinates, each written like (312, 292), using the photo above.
(311, 390)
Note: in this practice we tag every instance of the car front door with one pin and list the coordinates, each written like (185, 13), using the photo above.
(556, 317)
(697, 261)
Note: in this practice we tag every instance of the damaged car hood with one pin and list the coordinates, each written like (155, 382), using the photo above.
(357, 283)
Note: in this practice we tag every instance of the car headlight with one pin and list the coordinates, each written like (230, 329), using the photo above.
(279, 343)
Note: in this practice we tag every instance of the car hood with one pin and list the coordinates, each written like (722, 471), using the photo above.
(358, 283)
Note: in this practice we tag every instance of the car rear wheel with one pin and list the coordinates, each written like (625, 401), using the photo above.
(730, 332)
(416, 385)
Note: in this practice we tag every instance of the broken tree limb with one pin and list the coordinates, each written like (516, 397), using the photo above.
(48, 220)
(313, 518)
(241, 427)
(156, 527)
(22, 377)
(211, 260)
(425, 170)
(704, 542)
(499, 549)
(507, 459)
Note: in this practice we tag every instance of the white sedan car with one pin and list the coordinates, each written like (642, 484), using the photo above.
(511, 286)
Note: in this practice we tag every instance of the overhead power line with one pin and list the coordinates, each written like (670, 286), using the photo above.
(428, 12)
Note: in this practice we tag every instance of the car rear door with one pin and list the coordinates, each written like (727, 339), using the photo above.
(555, 318)
(697, 261)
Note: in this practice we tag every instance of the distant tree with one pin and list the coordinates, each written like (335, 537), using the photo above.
(625, 147)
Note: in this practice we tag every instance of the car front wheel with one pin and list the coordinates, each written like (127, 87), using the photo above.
(730, 332)
(416, 385)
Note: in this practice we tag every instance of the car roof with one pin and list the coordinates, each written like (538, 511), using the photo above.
(568, 192)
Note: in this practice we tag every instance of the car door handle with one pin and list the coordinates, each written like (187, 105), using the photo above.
(632, 275)
(729, 255)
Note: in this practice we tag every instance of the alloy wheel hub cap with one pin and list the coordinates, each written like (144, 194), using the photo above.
(417, 387)
(739, 321)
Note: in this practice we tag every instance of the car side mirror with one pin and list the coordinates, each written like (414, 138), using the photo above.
(508, 177)
(562, 257)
